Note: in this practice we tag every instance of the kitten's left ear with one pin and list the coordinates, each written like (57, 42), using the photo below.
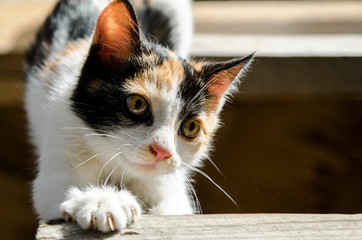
(117, 34)
(222, 78)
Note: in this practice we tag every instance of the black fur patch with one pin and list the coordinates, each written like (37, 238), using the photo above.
(99, 98)
(79, 16)
(192, 92)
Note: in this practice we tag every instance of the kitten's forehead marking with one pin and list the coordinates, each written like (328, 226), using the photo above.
(165, 77)
(171, 72)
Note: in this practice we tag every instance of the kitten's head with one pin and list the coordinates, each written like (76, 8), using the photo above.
(161, 110)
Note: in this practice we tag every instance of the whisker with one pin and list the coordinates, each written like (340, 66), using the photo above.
(124, 145)
(72, 128)
(103, 135)
(195, 199)
(82, 128)
(100, 172)
(73, 155)
(216, 167)
(133, 153)
(84, 162)
(105, 183)
(96, 155)
(109, 175)
(212, 181)
(122, 185)
(101, 132)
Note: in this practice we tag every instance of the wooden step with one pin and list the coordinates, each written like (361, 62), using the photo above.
(232, 226)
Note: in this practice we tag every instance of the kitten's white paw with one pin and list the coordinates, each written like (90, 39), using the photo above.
(105, 209)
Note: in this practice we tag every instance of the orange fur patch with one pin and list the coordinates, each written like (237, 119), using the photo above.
(197, 65)
(51, 64)
(169, 72)
(73, 47)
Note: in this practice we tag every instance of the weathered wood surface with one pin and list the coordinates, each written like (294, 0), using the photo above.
(228, 226)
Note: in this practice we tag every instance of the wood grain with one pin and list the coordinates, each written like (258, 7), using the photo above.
(227, 226)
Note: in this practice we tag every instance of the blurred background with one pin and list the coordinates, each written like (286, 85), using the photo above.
(292, 138)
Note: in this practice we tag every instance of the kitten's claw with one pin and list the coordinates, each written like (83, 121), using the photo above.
(134, 215)
(110, 222)
(93, 221)
(67, 217)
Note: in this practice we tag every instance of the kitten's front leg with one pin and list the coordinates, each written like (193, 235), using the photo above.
(103, 208)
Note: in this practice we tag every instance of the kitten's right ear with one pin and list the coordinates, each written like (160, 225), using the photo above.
(117, 34)
(221, 78)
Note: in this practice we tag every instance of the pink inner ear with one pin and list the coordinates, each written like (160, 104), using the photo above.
(116, 31)
(220, 83)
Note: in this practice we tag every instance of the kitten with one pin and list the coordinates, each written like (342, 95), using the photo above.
(119, 122)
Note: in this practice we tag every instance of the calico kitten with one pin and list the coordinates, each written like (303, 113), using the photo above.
(119, 122)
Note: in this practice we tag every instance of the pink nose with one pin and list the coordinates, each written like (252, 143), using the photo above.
(159, 152)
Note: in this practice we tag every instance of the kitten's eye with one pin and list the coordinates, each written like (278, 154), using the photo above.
(190, 128)
(138, 105)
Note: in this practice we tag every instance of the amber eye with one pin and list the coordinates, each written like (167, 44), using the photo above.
(138, 105)
(190, 128)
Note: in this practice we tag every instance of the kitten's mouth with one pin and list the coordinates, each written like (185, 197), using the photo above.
(165, 166)
(149, 166)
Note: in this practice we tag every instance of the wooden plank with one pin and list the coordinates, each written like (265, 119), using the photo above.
(264, 17)
(321, 45)
(228, 226)
(250, 17)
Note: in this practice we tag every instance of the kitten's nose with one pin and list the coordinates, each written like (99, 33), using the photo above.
(159, 152)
